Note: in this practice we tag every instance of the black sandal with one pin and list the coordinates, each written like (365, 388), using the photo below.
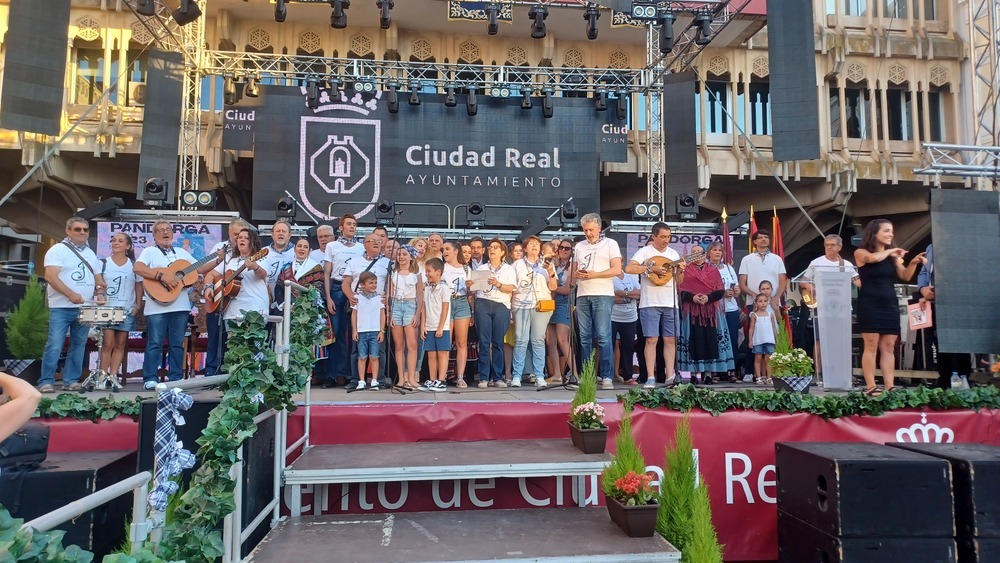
(707, 380)
(874, 391)
(887, 389)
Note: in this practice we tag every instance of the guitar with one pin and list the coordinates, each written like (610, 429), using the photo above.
(182, 270)
(670, 265)
(226, 288)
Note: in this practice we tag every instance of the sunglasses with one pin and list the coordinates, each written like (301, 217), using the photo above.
(565, 248)
(81, 229)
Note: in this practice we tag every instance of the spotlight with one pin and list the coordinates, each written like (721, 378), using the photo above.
(187, 12)
(644, 10)
(704, 22)
(646, 211)
(384, 214)
(145, 7)
(385, 18)
(414, 97)
(525, 98)
(475, 215)
(335, 84)
(393, 97)
(471, 104)
(547, 107)
(621, 108)
(592, 14)
(154, 192)
(569, 216)
(492, 18)
(687, 206)
(285, 208)
(338, 19)
(449, 97)
(280, 11)
(312, 93)
(666, 21)
(253, 87)
(230, 93)
(500, 91)
(601, 99)
(198, 200)
(364, 85)
(538, 13)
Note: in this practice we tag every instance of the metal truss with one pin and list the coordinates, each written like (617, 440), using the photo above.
(968, 161)
(984, 33)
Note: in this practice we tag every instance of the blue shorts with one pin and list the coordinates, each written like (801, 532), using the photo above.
(657, 321)
(128, 325)
(460, 308)
(403, 311)
(368, 344)
(437, 344)
(766, 348)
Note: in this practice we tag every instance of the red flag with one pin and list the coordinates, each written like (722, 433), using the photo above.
(753, 229)
(777, 246)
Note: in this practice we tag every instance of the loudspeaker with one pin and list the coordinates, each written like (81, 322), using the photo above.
(680, 142)
(975, 470)
(35, 66)
(865, 490)
(979, 550)
(798, 542)
(66, 477)
(161, 129)
(791, 49)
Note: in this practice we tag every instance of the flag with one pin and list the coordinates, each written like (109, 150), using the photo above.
(753, 229)
(777, 246)
(727, 248)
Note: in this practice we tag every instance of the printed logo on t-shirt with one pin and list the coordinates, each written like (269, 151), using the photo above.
(114, 285)
(80, 273)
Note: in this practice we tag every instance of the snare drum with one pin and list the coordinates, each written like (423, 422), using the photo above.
(101, 315)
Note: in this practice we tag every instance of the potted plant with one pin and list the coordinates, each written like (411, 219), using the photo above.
(995, 368)
(586, 421)
(791, 368)
(630, 500)
(27, 331)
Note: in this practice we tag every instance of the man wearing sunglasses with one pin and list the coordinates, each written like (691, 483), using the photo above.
(70, 272)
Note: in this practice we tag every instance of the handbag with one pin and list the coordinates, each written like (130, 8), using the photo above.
(25, 449)
(545, 305)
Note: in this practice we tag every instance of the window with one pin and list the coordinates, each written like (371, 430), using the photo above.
(855, 7)
(857, 109)
(90, 76)
(930, 10)
(717, 102)
(935, 115)
(894, 8)
(900, 115)
(760, 108)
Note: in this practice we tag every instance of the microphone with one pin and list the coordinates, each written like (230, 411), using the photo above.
(398, 213)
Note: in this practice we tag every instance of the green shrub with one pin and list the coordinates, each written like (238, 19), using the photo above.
(586, 392)
(28, 324)
(704, 545)
(677, 489)
(627, 456)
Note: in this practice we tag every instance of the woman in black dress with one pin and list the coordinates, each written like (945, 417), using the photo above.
(879, 265)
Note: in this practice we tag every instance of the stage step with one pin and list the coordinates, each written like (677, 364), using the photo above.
(570, 535)
(432, 461)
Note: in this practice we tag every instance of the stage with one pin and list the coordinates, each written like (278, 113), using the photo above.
(735, 449)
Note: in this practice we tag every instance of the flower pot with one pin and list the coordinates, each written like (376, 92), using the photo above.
(589, 441)
(796, 384)
(635, 521)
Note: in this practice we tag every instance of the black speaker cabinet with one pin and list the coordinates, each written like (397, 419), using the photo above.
(978, 550)
(975, 470)
(66, 477)
(798, 542)
(865, 490)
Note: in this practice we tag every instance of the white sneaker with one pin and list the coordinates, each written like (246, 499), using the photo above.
(374, 385)
(748, 378)
(361, 384)
(483, 384)
(516, 382)
(149, 385)
(650, 383)
(540, 382)
(501, 383)
(607, 384)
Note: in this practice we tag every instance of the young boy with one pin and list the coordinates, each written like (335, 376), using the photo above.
(368, 321)
(437, 318)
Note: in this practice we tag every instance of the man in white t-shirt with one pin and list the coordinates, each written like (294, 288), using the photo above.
(658, 303)
(830, 261)
(71, 272)
(597, 261)
(280, 252)
(762, 265)
(324, 236)
(370, 261)
(338, 253)
(167, 319)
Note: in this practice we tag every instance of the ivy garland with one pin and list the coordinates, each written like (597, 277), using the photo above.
(31, 545)
(74, 405)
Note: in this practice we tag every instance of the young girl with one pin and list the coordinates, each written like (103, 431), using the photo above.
(763, 328)
(122, 292)
(406, 289)
(455, 274)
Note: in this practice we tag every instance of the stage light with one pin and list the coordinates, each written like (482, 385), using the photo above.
(230, 94)
(646, 211)
(154, 192)
(312, 93)
(666, 21)
(414, 96)
(592, 14)
(704, 22)
(449, 98)
(471, 104)
(547, 105)
(253, 87)
(393, 96)
(621, 108)
(338, 19)
(203, 200)
(384, 214)
(538, 13)
(500, 91)
(145, 7)
(335, 85)
(644, 10)
(280, 11)
(492, 18)
(385, 16)
(364, 85)
(187, 12)
(525, 98)
(601, 99)
(285, 208)
(569, 216)
(687, 206)
(475, 215)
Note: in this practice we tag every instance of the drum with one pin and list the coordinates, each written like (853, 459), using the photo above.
(101, 315)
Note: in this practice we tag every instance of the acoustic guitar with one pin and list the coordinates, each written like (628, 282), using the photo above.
(226, 288)
(181, 270)
(670, 265)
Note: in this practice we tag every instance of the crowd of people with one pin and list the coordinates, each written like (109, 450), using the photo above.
(532, 309)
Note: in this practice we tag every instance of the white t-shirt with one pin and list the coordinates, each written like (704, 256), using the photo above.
(318, 256)
(369, 317)
(532, 284)
(435, 296)
(625, 312)
(253, 294)
(154, 257)
(358, 264)
(506, 276)
(757, 270)
(595, 257)
(73, 273)
(455, 278)
(652, 295)
(825, 264)
(338, 255)
(275, 261)
(729, 279)
(121, 283)
(404, 285)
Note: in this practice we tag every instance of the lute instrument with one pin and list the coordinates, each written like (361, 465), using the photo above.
(670, 265)
(226, 288)
(181, 270)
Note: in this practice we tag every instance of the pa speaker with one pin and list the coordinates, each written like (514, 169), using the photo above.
(680, 144)
(161, 128)
(791, 50)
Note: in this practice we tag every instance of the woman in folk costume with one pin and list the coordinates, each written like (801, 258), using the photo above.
(303, 270)
(703, 345)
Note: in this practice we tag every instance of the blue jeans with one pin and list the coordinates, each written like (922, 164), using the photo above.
(170, 326)
(61, 320)
(492, 320)
(213, 351)
(341, 323)
(529, 328)
(593, 313)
